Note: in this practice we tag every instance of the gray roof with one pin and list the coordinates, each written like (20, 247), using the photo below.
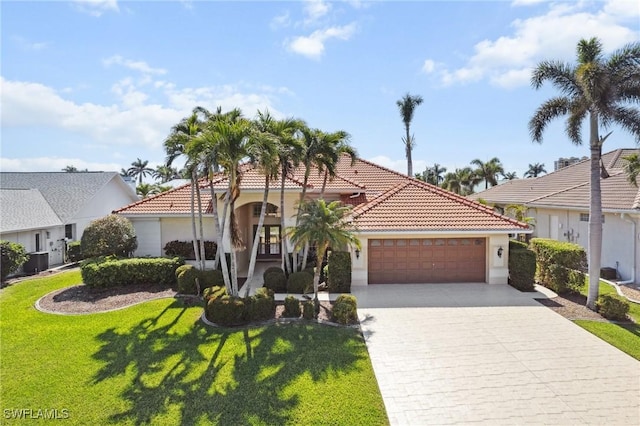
(24, 209)
(66, 193)
(569, 186)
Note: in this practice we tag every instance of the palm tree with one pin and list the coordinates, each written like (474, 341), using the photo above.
(139, 169)
(632, 168)
(407, 106)
(461, 181)
(125, 173)
(488, 171)
(73, 169)
(519, 213)
(165, 173)
(323, 225)
(436, 174)
(535, 170)
(145, 189)
(510, 175)
(601, 91)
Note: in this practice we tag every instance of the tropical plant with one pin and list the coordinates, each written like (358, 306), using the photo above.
(433, 175)
(632, 168)
(145, 189)
(519, 213)
(461, 181)
(407, 106)
(510, 175)
(73, 169)
(165, 173)
(140, 169)
(13, 257)
(535, 170)
(488, 171)
(601, 90)
(324, 226)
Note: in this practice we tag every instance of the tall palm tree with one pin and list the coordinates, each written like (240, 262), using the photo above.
(325, 226)
(601, 91)
(407, 106)
(436, 174)
(461, 181)
(632, 168)
(145, 189)
(140, 169)
(510, 175)
(165, 173)
(73, 169)
(535, 170)
(488, 171)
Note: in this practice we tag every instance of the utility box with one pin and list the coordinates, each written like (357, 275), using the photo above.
(608, 273)
(38, 262)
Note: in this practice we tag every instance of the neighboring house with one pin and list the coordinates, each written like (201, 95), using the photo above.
(411, 232)
(559, 203)
(40, 210)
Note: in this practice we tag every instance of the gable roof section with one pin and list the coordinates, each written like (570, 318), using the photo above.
(25, 209)
(416, 206)
(569, 187)
(66, 193)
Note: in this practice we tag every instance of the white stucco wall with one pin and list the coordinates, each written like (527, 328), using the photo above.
(50, 241)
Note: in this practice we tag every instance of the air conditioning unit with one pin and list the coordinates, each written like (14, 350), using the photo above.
(38, 262)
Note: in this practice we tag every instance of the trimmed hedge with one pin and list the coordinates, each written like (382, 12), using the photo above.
(558, 264)
(212, 293)
(612, 308)
(111, 235)
(115, 272)
(275, 280)
(226, 310)
(74, 251)
(261, 305)
(186, 276)
(184, 249)
(522, 267)
(292, 307)
(339, 272)
(13, 256)
(300, 283)
(308, 310)
(345, 309)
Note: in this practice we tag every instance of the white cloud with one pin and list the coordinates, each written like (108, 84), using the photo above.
(53, 164)
(312, 46)
(96, 7)
(398, 165)
(280, 21)
(140, 66)
(526, 2)
(554, 35)
(315, 9)
(429, 66)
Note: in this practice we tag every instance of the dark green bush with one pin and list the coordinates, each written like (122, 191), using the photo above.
(211, 278)
(115, 272)
(226, 310)
(300, 283)
(13, 257)
(522, 268)
(339, 272)
(186, 276)
(74, 251)
(261, 306)
(111, 235)
(291, 307)
(271, 269)
(345, 309)
(212, 293)
(612, 308)
(275, 280)
(554, 262)
(184, 249)
(517, 245)
(564, 280)
(308, 310)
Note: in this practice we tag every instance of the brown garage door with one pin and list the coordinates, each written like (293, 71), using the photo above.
(427, 260)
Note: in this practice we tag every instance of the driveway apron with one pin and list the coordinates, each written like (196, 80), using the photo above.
(489, 354)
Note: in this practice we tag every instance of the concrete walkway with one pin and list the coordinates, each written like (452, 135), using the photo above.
(488, 354)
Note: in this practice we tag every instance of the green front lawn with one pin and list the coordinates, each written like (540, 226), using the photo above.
(625, 337)
(156, 363)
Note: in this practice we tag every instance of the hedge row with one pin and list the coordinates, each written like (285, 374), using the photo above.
(186, 276)
(522, 267)
(339, 272)
(226, 310)
(114, 272)
(559, 264)
(184, 249)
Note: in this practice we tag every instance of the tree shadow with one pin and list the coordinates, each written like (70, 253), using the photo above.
(220, 376)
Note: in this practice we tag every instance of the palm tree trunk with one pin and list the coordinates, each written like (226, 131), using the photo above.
(283, 239)
(316, 279)
(408, 148)
(256, 238)
(595, 215)
(303, 194)
(324, 184)
(201, 229)
(219, 250)
(219, 239)
(194, 182)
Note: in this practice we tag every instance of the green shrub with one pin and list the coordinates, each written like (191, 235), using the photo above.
(74, 251)
(271, 269)
(554, 260)
(308, 310)
(291, 307)
(522, 268)
(186, 276)
(275, 280)
(339, 272)
(212, 293)
(612, 308)
(226, 310)
(345, 309)
(211, 278)
(113, 272)
(564, 280)
(184, 249)
(300, 283)
(517, 245)
(13, 257)
(261, 306)
(111, 235)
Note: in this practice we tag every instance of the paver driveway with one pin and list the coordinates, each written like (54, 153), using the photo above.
(478, 353)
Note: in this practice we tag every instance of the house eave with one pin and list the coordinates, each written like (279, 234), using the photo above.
(447, 232)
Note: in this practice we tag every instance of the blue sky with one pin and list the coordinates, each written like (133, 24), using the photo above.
(97, 84)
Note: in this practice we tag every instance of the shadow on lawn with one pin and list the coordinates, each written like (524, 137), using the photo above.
(224, 376)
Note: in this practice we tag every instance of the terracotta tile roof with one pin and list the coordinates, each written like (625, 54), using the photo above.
(175, 201)
(353, 199)
(374, 178)
(569, 187)
(416, 206)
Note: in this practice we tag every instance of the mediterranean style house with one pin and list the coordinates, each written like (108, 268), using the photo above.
(44, 210)
(559, 203)
(410, 231)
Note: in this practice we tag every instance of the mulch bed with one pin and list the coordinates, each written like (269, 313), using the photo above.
(572, 306)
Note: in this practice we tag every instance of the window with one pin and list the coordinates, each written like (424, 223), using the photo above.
(68, 231)
(271, 210)
(584, 217)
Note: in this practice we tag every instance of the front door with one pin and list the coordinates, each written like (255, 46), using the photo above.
(269, 245)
